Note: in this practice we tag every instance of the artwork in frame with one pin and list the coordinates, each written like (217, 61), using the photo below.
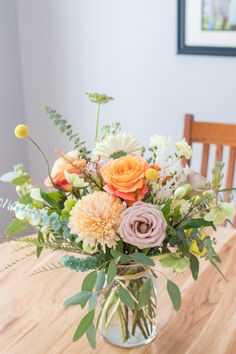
(207, 27)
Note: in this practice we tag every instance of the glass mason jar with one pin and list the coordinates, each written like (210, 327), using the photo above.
(135, 324)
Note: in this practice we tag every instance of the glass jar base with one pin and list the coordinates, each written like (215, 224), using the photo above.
(112, 337)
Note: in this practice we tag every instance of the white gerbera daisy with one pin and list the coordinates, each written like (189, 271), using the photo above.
(115, 146)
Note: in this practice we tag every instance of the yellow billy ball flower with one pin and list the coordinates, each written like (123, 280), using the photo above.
(21, 131)
(151, 174)
(194, 247)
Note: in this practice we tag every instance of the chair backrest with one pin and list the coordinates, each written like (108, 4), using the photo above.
(218, 134)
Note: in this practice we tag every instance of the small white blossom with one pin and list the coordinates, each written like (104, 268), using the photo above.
(160, 141)
(183, 149)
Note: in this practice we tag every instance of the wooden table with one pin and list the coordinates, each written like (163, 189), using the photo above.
(33, 320)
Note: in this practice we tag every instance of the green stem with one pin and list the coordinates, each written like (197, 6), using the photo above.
(127, 321)
(141, 328)
(113, 312)
(97, 123)
(122, 322)
(45, 159)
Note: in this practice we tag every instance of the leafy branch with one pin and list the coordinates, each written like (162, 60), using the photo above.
(66, 128)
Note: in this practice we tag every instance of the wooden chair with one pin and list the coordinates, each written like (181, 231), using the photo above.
(218, 134)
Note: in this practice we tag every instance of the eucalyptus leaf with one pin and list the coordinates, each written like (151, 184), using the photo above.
(78, 299)
(142, 258)
(91, 335)
(126, 298)
(145, 293)
(174, 294)
(84, 325)
(112, 271)
(93, 301)
(89, 281)
(123, 257)
(100, 280)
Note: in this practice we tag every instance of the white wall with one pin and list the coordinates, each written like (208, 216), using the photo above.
(12, 150)
(123, 48)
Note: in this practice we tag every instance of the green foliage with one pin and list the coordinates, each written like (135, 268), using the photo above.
(79, 298)
(111, 272)
(100, 280)
(39, 247)
(175, 261)
(84, 264)
(194, 224)
(142, 258)
(120, 256)
(174, 294)
(84, 325)
(145, 293)
(194, 266)
(53, 199)
(66, 128)
(89, 281)
(91, 335)
(16, 226)
(217, 175)
(112, 129)
(19, 181)
(93, 301)
(125, 297)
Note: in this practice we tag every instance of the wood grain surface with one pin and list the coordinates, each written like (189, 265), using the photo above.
(33, 320)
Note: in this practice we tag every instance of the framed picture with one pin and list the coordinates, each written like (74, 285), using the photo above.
(207, 27)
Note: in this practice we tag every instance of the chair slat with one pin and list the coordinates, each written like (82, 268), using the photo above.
(231, 166)
(219, 152)
(205, 158)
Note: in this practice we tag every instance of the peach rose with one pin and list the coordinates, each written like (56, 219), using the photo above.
(125, 178)
(71, 163)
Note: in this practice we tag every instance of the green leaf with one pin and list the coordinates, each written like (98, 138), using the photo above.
(18, 181)
(16, 226)
(26, 199)
(78, 299)
(9, 176)
(100, 280)
(39, 247)
(194, 224)
(93, 302)
(176, 262)
(145, 293)
(84, 325)
(89, 281)
(174, 294)
(142, 258)
(122, 257)
(91, 336)
(53, 199)
(112, 271)
(126, 298)
(194, 266)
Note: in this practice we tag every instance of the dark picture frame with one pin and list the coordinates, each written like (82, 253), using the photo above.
(182, 48)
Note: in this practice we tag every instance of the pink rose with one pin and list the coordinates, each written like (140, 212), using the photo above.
(198, 182)
(142, 225)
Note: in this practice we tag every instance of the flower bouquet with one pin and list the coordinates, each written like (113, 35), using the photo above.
(128, 211)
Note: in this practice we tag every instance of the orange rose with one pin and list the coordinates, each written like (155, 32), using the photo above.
(71, 163)
(125, 178)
